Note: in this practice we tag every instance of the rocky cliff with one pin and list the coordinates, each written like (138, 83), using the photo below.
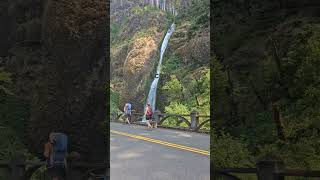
(136, 36)
(136, 31)
(57, 54)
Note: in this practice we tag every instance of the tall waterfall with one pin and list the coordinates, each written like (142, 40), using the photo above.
(153, 88)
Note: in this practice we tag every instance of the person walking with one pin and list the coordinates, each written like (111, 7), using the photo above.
(55, 152)
(127, 113)
(148, 113)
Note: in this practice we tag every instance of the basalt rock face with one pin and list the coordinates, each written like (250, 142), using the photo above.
(193, 48)
(137, 36)
(57, 53)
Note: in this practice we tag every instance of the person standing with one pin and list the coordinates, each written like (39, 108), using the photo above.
(127, 113)
(148, 113)
(55, 152)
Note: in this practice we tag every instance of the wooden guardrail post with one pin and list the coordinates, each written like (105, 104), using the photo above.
(194, 120)
(267, 169)
(158, 115)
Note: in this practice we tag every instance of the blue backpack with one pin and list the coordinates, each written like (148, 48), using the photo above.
(60, 147)
(128, 111)
(129, 107)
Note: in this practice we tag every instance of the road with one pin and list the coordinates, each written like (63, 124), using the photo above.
(159, 154)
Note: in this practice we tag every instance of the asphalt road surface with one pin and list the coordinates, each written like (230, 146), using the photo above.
(159, 154)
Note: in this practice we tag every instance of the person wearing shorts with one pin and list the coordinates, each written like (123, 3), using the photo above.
(148, 113)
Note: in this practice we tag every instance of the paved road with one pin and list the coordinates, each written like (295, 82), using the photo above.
(138, 159)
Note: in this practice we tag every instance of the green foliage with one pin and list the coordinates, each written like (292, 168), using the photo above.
(114, 103)
(176, 108)
(137, 10)
(171, 64)
(185, 84)
(39, 173)
(198, 13)
(14, 113)
(243, 98)
(228, 151)
(220, 97)
(11, 147)
(200, 90)
(174, 89)
(115, 30)
(5, 81)
(304, 154)
(179, 91)
(151, 9)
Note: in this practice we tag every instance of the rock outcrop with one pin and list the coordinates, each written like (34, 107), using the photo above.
(57, 53)
(134, 52)
(191, 49)
(137, 31)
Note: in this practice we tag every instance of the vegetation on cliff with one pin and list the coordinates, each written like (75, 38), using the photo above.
(53, 77)
(136, 34)
(185, 80)
(266, 80)
(184, 85)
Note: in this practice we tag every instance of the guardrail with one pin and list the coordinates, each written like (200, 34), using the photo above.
(265, 170)
(23, 170)
(191, 121)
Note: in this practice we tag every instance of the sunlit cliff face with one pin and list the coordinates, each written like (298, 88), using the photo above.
(139, 55)
(134, 47)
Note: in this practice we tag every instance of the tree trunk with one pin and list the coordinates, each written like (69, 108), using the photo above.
(233, 105)
(278, 121)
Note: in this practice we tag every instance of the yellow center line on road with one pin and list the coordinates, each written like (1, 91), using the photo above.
(186, 148)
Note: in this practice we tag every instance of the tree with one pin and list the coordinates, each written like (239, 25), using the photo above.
(5, 81)
(174, 89)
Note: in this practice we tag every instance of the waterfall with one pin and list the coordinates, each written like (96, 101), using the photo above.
(151, 99)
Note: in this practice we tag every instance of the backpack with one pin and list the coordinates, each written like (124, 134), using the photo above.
(60, 147)
(129, 107)
(149, 112)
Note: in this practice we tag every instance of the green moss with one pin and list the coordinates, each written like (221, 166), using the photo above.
(114, 102)
(14, 113)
